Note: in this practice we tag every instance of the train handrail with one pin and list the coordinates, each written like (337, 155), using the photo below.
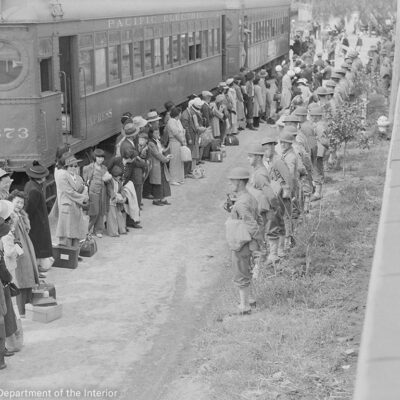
(85, 94)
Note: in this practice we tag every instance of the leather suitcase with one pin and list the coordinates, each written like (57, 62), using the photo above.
(216, 156)
(65, 256)
(43, 291)
(231, 140)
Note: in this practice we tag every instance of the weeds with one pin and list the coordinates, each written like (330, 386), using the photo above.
(310, 312)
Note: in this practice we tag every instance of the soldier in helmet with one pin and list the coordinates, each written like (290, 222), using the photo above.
(282, 185)
(244, 209)
(316, 115)
(259, 186)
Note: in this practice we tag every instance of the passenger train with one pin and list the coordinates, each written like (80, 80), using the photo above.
(70, 68)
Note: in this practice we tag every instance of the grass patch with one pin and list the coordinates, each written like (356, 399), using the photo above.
(303, 340)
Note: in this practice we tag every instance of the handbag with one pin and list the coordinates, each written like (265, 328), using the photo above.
(14, 290)
(88, 246)
(186, 154)
(237, 234)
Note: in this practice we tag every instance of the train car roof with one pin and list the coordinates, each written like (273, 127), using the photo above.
(36, 11)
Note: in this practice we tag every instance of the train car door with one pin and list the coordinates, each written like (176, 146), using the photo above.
(69, 85)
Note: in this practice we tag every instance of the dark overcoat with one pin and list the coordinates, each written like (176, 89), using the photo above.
(35, 206)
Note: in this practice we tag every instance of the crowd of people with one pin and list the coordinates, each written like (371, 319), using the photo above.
(154, 153)
(288, 168)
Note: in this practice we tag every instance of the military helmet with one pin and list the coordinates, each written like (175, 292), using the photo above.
(256, 148)
(239, 173)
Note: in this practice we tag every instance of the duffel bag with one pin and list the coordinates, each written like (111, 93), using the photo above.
(88, 246)
(231, 140)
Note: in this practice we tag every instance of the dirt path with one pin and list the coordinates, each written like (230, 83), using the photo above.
(129, 312)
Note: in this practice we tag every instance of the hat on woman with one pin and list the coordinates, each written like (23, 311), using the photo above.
(116, 171)
(197, 103)
(256, 148)
(4, 228)
(239, 173)
(4, 173)
(70, 159)
(98, 153)
(229, 81)
(263, 73)
(140, 122)
(206, 93)
(36, 171)
(303, 81)
(131, 129)
(278, 68)
(291, 73)
(152, 116)
(6, 208)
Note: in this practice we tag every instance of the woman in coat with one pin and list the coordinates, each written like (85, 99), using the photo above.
(286, 96)
(159, 174)
(177, 139)
(218, 115)
(259, 105)
(97, 178)
(8, 321)
(72, 196)
(36, 209)
(26, 275)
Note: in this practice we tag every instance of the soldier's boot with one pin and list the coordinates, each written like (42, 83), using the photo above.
(318, 193)
(244, 306)
(273, 256)
(281, 247)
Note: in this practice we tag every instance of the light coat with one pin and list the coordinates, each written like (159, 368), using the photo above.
(158, 161)
(72, 222)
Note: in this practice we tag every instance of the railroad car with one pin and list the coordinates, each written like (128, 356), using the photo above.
(70, 68)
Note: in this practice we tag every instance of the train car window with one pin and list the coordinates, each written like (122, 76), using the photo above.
(282, 26)
(199, 45)
(100, 39)
(86, 68)
(148, 66)
(205, 44)
(184, 47)
(192, 46)
(46, 76)
(10, 63)
(114, 37)
(137, 59)
(127, 35)
(100, 65)
(210, 42)
(273, 27)
(175, 49)
(114, 75)
(167, 52)
(157, 54)
(86, 41)
(126, 63)
(217, 40)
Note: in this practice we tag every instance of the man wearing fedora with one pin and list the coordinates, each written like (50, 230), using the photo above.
(5, 184)
(36, 209)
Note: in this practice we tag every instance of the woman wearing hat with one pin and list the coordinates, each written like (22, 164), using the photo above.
(159, 174)
(72, 196)
(259, 105)
(36, 209)
(286, 96)
(8, 322)
(19, 250)
(97, 179)
(177, 139)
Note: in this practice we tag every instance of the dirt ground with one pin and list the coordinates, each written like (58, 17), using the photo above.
(130, 311)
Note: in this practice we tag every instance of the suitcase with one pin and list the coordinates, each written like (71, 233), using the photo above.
(215, 144)
(88, 246)
(43, 291)
(216, 156)
(65, 256)
(43, 314)
(231, 140)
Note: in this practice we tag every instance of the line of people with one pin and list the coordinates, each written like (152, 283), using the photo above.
(287, 173)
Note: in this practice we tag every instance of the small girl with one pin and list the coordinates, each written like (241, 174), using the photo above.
(116, 218)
